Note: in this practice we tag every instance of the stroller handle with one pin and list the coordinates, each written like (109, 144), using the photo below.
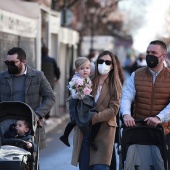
(142, 122)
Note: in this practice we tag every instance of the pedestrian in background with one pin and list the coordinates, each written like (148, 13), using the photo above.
(23, 83)
(107, 89)
(139, 62)
(149, 88)
(93, 58)
(51, 72)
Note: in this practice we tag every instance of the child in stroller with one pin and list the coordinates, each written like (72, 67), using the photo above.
(21, 130)
(17, 149)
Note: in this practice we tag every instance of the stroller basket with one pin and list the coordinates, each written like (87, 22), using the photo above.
(12, 157)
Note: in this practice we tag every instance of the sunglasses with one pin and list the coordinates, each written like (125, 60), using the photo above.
(10, 62)
(107, 62)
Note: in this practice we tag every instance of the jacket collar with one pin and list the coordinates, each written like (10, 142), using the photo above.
(30, 71)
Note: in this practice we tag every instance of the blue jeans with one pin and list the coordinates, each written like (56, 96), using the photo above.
(99, 167)
(84, 156)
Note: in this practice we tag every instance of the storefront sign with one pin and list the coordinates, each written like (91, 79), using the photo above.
(18, 25)
(54, 24)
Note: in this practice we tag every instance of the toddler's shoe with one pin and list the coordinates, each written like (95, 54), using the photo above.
(65, 140)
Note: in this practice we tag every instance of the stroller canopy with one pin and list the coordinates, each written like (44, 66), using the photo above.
(18, 110)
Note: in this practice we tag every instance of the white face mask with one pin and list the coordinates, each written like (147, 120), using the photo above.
(103, 68)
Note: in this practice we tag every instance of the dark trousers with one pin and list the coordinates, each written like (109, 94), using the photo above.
(113, 162)
(69, 128)
(84, 156)
(94, 131)
(100, 167)
(168, 154)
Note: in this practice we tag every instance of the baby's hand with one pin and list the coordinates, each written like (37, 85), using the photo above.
(29, 145)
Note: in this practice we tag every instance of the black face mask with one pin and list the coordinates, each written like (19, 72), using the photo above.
(140, 59)
(12, 68)
(152, 61)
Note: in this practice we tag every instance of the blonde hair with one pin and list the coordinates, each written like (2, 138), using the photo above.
(81, 61)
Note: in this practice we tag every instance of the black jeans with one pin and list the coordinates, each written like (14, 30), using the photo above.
(168, 154)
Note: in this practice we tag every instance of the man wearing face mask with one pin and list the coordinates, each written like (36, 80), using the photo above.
(23, 83)
(140, 62)
(148, 88)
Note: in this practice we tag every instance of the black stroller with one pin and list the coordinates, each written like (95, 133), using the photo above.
(142, 147)
(12, 154)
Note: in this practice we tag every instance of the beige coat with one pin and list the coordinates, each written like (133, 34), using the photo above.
(108, 107)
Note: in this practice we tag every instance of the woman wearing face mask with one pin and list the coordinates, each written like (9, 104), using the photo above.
(107, 87)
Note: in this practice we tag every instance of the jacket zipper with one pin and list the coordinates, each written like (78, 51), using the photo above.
(152, 96)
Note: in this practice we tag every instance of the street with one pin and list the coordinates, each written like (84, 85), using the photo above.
(56, 156)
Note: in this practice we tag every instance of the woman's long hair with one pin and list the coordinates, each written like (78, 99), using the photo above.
(115, 76)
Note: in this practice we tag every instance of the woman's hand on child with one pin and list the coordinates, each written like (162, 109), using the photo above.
(29, 145)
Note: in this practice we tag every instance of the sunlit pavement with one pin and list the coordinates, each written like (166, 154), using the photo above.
(56, 155)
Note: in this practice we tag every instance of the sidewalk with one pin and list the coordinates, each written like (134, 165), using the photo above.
(54, 122)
